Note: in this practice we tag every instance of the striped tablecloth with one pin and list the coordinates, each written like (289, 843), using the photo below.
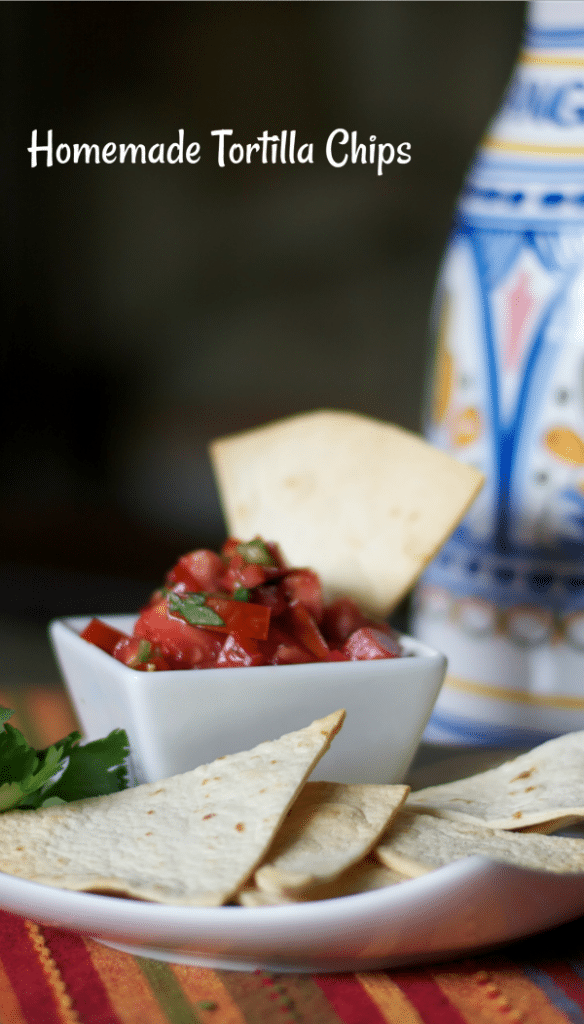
(50, 976)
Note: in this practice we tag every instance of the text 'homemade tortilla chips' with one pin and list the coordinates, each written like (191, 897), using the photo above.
(365, 504)
(190, 840)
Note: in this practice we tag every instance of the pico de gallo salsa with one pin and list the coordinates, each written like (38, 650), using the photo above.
(243, 607)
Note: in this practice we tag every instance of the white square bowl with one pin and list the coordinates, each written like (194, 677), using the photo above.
(180, 719)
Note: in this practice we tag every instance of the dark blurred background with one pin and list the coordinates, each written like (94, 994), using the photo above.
(151, 308)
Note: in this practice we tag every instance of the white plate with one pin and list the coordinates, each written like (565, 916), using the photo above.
(460, 909)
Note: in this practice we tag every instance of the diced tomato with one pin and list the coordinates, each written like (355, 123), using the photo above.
(304, 585)
(239, 651)
(199, 570)
(205, 649)
(302, 625)
(368, 644)
(337, 656)
(343, 617)
(271, 595)
(291, 654)
(276, 554)
(104, 636)
(244, 571)
(180, 578)
(242, 617)
(240, 573)
(340, 619)
(139, 654)
(272, 615)
(182, 645)
(281, 648)
(229, 547)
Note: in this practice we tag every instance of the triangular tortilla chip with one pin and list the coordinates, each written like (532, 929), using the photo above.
(329, 827)
(365, 876)
(364, 503)
(543, 788)
(189, 840)
(417, 843)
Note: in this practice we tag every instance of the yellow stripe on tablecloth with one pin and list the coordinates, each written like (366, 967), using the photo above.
(205, 991)
(490, 996)
(9, 1005)
(127, 989)
(540, 700)
(389, 998)
(63, 1000)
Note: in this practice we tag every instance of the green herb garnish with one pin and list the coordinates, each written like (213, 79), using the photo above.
(256, 552)
(144, 651)
(241, 594)
(64, 771)
(192, 607)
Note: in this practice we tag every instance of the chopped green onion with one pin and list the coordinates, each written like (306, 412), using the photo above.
(256, 552)
(144, 650)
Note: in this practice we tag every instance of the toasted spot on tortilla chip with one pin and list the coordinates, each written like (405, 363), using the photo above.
(555, 794)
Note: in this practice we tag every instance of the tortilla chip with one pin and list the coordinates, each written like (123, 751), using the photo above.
(364, 503)
(190, 840)
(329, 827)
(417, 843)
(544, 786)
(365, 876)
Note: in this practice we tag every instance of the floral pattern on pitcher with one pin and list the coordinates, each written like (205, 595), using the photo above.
(505, 597)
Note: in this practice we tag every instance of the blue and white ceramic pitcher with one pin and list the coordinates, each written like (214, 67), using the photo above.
(505, 598)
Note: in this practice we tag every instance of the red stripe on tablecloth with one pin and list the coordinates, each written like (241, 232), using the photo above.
(25, 972)
(83, 982)
(566, 979)
(349, 999)
(428, 998)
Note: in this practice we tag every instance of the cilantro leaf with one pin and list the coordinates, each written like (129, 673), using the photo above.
(194, 610)
(62, 772)
(93, 769)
